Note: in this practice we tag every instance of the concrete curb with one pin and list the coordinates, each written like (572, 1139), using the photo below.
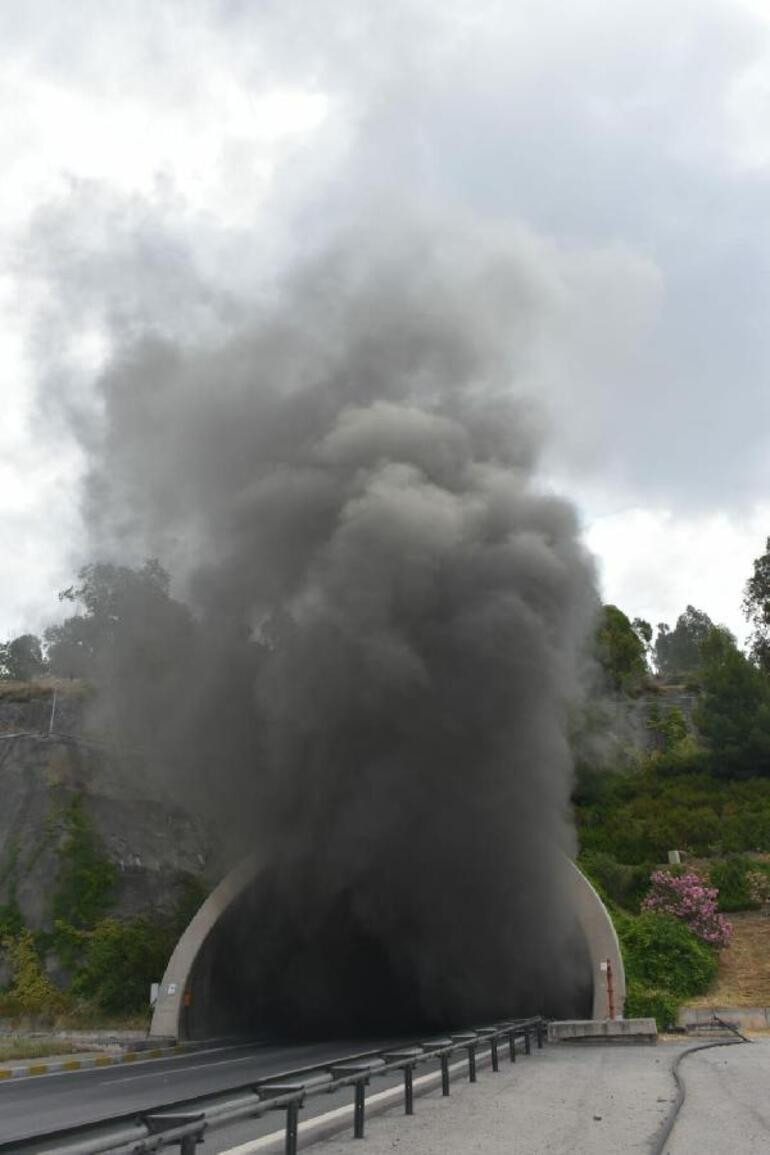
(66, 1065)
(603, 1031)
(747, 1018)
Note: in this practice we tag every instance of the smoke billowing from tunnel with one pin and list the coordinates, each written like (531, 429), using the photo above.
(391, 617)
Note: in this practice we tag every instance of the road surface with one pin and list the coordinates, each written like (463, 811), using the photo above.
(46, 1103)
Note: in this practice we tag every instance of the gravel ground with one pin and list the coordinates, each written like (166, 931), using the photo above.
(565, 1100)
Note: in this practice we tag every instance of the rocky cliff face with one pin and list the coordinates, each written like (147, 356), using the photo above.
(49, 780)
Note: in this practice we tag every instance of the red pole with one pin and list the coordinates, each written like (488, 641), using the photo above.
(610, 991)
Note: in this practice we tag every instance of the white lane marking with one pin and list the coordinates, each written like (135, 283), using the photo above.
(392, 1093)
(180, 1070)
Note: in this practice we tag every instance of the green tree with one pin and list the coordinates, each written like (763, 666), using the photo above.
(677, 651)
(733, 714)
(21, 659)
(668, 727)
(620, 649)
(124, 618)
(756, 607)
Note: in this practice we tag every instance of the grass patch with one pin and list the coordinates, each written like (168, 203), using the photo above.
(34, 1048)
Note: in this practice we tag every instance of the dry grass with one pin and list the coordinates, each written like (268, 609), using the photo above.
(41, 688)
(744, 967)
(34, 1048)
(84, 1017)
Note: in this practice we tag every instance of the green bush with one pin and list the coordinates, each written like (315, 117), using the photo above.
(638, 817)
(31, 991)
(731, 879)
(652, 1002)
(86, 876)
(120, 959)
(660, 952)
(623, 885)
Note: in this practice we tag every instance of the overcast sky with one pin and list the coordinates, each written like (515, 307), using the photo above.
(163, 161)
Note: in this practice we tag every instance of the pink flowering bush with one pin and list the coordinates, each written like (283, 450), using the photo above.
(686, 896)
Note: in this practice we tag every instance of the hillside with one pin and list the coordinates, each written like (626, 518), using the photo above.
(86, 834)
(744, 967)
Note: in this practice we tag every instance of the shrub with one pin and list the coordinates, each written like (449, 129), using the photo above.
(660, 952)
(686, 897)
(731, 880)
(120, 959)
(31, 991)
(624, 885)
(652, 1002)
(637, 817)
(86, 876)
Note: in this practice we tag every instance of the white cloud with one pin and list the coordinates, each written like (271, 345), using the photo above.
(203, 141)
(654, 563)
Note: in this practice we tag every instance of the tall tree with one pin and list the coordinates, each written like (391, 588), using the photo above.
(678, 651)
(124, 617)
(756, 607)
(22, 658)
(621, 650)
(733, 714)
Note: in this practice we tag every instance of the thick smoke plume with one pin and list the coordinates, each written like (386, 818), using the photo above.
(391, 616)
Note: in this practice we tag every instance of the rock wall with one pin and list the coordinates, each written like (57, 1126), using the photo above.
(154, 844)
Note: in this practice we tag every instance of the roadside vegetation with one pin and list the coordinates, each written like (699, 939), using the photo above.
(38, 1048)
(109, 962)
(702, 787)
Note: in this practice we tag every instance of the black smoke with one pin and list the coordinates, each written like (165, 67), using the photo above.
(391, 617)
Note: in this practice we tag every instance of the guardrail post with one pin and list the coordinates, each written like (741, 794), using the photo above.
(540, 1033)
(408, 1089)
(361, 1072)
(292, 1125)
(469, 1040)
(512, 1045)
(527, 1042)
(406, 1058)
(188, 1145)
(493, 1052)
(359, 1107)
(445, 1074)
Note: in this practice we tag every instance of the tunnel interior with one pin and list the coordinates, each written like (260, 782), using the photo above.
(264, 973)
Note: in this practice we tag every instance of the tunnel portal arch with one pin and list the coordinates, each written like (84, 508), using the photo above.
(181, 1010)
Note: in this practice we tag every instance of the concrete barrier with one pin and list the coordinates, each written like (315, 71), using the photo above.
(745, 1018)
(603, 1030)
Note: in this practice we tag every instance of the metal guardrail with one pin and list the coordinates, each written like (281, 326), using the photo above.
(184, 1126)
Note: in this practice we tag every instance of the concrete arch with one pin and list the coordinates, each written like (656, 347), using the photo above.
(174, 1016)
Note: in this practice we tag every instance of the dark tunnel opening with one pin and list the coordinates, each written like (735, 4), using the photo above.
(262, 973)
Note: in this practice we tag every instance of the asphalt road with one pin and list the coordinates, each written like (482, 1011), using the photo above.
(727, 1105)
(46, 1103)
(565, 1100)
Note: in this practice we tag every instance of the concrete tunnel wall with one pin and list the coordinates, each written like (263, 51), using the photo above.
(172, 1014)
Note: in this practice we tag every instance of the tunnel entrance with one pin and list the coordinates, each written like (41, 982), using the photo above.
(262, 972)
(265, 971)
